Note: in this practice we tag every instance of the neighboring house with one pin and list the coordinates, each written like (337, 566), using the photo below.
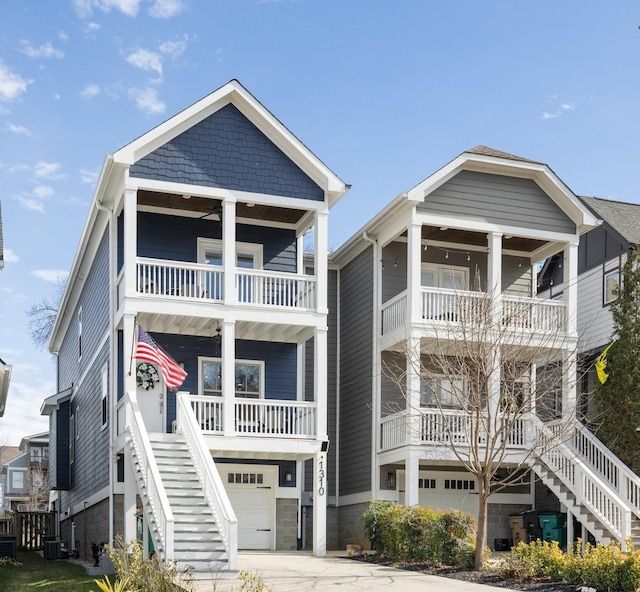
(476, 229)
(25, 475)
(601, 255)
(196, 235)
(7, 454)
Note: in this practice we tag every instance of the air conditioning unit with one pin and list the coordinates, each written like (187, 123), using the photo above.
(38, 481)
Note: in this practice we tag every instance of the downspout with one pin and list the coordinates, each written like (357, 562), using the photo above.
(375, 395)
(112, 374)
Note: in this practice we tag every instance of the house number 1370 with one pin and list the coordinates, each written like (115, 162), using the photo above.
(321, 477)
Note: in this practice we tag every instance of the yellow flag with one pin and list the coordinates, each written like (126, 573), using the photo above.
(601, 364)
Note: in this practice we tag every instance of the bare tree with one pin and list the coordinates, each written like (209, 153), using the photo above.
(491, 372)
(42, 316)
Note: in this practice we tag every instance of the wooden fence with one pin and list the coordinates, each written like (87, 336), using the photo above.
(29, 528)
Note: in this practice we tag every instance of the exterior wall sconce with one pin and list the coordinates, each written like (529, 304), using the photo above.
(288, 476)
(391, 480)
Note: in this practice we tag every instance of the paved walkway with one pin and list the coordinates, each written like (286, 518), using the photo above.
(300, 571)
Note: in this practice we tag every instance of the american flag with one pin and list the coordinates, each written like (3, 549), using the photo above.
(149, 351)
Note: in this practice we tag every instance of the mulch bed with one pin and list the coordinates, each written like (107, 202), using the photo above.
(488, 577)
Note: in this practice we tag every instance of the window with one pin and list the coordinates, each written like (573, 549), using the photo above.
(442, 391)
(461, 484)
(439, 276)
(104, 401)
(248, 378)
(611, 284)
(17, 480)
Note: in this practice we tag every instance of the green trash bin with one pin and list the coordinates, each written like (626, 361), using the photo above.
(554, 528)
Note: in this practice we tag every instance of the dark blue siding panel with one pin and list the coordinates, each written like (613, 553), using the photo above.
(60, 477)
(176, 239)
(226, 150)
(279, 364)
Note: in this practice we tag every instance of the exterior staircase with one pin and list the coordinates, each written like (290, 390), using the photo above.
(595, 486)
(186, 508)
(197, 539)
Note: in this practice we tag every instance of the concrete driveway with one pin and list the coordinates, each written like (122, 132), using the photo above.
(300, 571)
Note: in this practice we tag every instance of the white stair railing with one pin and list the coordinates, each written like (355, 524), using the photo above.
(607, 465)
(156, 507)
(212, 485)
(589, 489)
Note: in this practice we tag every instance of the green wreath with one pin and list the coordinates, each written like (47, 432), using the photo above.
(146, 376)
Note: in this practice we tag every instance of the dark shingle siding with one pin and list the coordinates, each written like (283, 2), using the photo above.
(226, 150)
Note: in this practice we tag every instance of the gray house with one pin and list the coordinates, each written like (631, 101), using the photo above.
(194, 244)
(412, 285)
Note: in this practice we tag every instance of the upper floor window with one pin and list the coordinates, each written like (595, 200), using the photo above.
(611, 284)
(441, 276)
(442, 391)
(249, 378)
(104, 400)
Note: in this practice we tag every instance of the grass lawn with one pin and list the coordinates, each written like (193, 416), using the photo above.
(39, 575)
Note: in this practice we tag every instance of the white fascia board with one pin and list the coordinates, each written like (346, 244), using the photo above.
(110, 182)
(234, 93)
(52, 403)
(5, 379)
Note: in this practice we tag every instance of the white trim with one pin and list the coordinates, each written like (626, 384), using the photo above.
(605, 275)
(253, 249)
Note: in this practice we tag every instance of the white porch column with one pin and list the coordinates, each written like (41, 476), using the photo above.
(411, 473)
(414, 273)
(228, 377)
(570, 290)
(128, 340)
(570, 362)
(228, 219)
(413, 389)
(320, 504)
(130, 241)
(494, 292)
(321, 261)
(320, 378)
(130, 490)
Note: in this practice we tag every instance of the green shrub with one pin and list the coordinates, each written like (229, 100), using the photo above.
(154, 574)
(600, 567)
(420, 533)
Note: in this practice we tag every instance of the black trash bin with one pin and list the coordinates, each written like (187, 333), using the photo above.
(532, 525)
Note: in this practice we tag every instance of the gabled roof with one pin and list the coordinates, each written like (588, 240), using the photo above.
(623, 217)
(234, 93)
(487, 151)
(42, 438)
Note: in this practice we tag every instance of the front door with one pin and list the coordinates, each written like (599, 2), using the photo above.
(150, 393)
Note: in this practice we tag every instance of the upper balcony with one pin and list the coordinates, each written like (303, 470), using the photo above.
(443, 310)
(199, 282)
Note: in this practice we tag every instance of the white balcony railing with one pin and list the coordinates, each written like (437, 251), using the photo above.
(197, 281)
(269, 418)
(446, 427)
(439, 306)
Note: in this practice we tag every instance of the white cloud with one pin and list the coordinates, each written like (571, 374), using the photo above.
(12, 85)
(146, 60)
(90, 91)
(568, 107)
(91, 27)
(18, 167)
(147, 100)
(51, 275)
(18, 129)
(563, 108)
(47, 170)
(26, 393)
(43, 191)
(10, 256)
(89, 176)
(547, 115)
(84, 8)
(165, 8)
(56, 96)
(174, 49)
(4, 110)
(62, 36)
(31, 204)
(43, 51)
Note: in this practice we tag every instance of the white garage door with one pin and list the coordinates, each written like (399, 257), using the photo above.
(250, 489)
(445, 490)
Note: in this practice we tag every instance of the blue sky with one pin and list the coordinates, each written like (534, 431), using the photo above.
(385, 93)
